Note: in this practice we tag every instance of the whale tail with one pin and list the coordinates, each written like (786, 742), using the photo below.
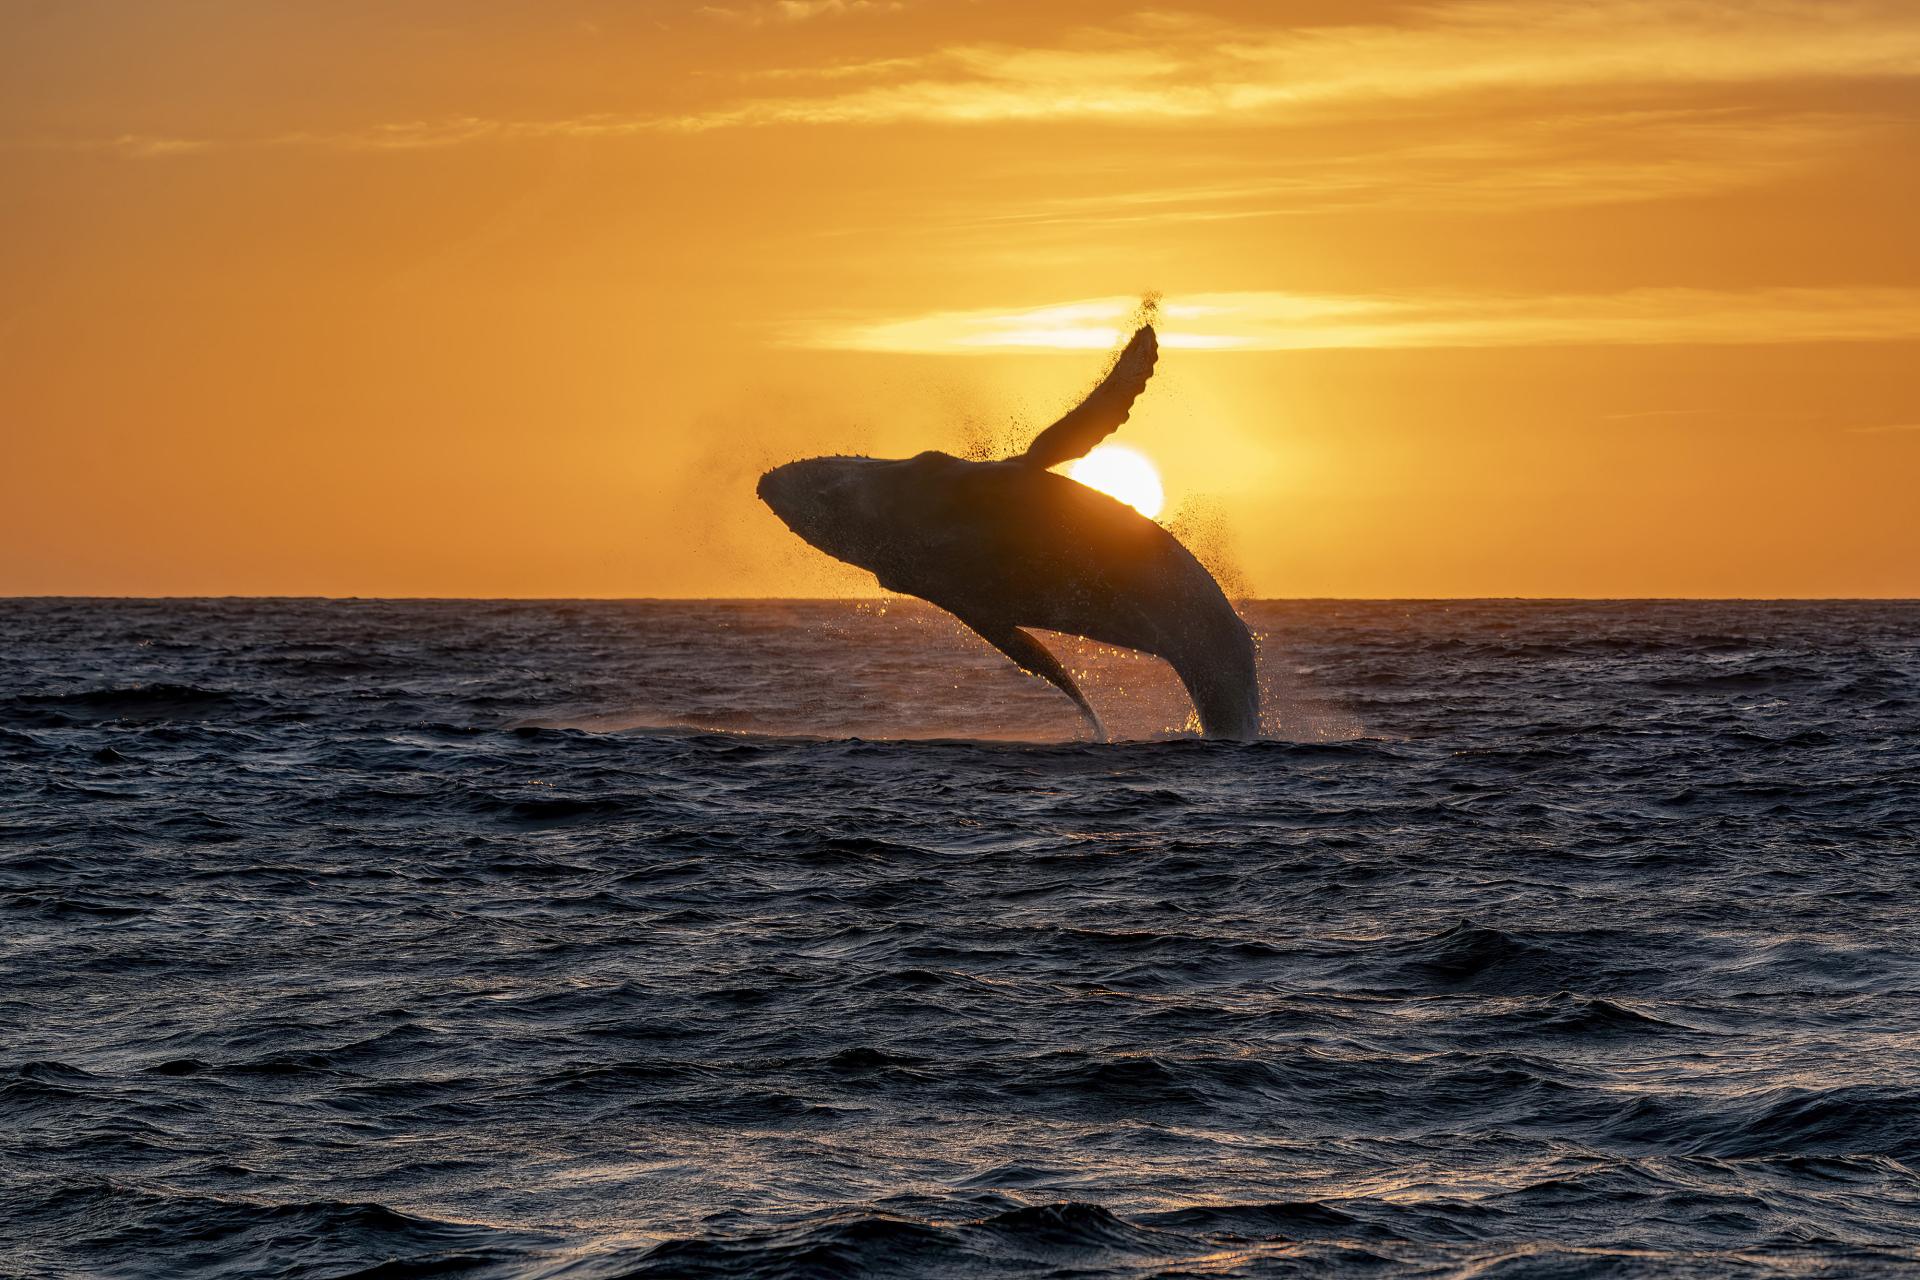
(1105, 408)
(1222, 677)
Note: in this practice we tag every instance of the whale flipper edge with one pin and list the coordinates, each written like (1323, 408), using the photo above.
(1035, 659)
(1105, 408)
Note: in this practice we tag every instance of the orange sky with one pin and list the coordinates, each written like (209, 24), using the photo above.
(516, 297)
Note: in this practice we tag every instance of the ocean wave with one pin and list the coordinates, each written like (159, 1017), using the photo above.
(119, 1224)
(326, 953)
(139, 703)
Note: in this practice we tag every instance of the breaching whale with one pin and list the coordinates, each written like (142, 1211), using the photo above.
(1008, 544)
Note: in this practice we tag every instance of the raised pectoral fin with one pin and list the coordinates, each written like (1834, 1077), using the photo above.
(1033, 657)
(1104, 409)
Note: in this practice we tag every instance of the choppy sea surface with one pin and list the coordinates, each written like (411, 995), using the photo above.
(807, 939)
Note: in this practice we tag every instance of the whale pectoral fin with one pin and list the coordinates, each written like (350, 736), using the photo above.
(1033, 657)
(1104, 409)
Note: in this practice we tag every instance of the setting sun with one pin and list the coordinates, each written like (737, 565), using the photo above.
(1123, 473)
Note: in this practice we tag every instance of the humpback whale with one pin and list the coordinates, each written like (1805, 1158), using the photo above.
(1006, 545)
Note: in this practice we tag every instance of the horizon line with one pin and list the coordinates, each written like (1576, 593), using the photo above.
(915, 601)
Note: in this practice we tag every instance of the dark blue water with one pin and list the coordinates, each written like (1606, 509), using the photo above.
(572, 939)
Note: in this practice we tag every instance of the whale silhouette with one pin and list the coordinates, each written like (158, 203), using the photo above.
(1008, 544)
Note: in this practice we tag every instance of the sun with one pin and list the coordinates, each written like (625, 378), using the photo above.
(1122, 473)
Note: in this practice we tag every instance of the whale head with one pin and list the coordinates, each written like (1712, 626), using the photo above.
(849, 508)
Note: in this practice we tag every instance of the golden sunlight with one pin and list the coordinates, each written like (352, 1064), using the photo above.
(1123, 473)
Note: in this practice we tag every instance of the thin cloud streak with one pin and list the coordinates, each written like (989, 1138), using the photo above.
(412, 135)
(1529, 165)
(1167, 70)
(787, 11)
(1273, 321)
(1172, 70)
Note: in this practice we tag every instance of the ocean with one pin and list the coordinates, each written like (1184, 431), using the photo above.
(596, 939)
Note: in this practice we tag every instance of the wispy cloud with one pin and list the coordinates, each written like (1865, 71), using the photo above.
(1166, 70)
(409, 135)
(1174, 70)
(1272, 321)
(1536, 163)
(128, 144)
(756, 15)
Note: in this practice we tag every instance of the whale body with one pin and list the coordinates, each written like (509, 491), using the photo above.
(1006, 545)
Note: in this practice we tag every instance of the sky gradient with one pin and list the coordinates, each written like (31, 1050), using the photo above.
(506, 297)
